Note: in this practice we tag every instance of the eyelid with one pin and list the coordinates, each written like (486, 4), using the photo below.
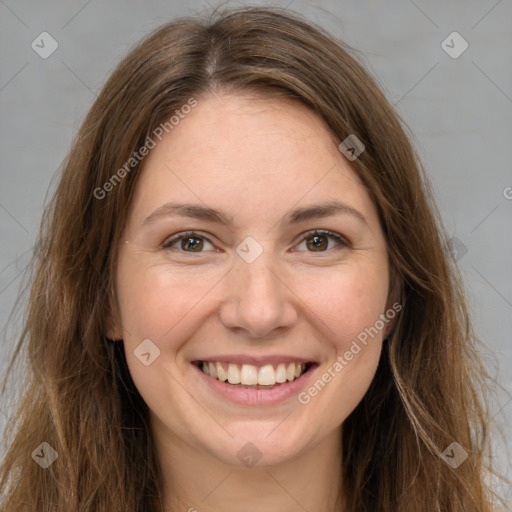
(343, 241)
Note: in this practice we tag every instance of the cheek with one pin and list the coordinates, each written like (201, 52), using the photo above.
(154, 299)
(156, 305)
(349, 302)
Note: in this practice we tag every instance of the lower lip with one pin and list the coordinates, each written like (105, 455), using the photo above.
(247, 396)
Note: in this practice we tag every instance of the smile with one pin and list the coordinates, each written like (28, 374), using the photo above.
(254, 384)
(262, 376)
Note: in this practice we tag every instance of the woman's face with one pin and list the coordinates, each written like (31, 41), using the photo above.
(252, 288)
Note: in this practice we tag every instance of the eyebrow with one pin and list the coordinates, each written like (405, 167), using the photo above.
(205, 213)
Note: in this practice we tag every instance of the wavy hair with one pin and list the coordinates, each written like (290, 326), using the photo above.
(430, 387)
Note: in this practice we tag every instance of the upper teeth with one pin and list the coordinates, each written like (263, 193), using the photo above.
(249, 375)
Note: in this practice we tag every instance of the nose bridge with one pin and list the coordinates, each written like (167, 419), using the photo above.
(257, 298)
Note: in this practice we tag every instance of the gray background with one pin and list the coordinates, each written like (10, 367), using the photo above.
(459, 110)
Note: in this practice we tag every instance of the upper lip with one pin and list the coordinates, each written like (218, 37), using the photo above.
(255, 360)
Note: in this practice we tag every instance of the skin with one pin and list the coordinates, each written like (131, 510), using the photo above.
(255, 158)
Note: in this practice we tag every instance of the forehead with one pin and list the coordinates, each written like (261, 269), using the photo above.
(237, 151)
(233, 125)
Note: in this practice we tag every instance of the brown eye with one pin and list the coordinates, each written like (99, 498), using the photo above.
(190, 242)
(318, 241)
(193, 243)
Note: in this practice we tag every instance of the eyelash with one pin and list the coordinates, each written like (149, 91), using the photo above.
(192, 234)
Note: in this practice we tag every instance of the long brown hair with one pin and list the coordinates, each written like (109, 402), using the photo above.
(430, 387)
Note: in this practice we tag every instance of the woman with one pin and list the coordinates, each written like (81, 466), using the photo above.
(243, 296)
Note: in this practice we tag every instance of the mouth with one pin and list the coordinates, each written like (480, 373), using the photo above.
(258, 377)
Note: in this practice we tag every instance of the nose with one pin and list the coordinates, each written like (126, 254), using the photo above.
(259, 300)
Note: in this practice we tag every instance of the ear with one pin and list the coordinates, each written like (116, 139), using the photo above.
(394, 303)
(113, 320)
